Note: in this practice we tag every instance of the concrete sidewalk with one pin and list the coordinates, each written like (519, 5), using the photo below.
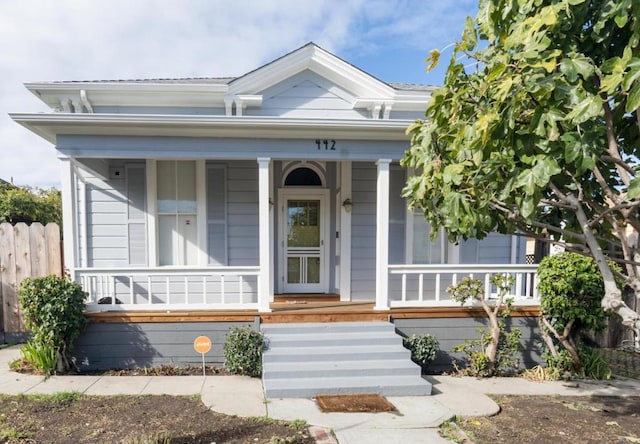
(416, 420)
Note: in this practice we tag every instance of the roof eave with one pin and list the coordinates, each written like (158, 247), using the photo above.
(48, 126)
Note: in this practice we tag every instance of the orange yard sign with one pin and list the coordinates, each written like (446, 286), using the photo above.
(202, 344)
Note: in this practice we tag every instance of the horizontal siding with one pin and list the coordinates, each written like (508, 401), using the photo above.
(454, 331)
(307, 94)
(124, 345)
(175, 110)
(242, 213)
(363, 231)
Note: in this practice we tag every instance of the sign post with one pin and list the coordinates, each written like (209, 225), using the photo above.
(202, 345)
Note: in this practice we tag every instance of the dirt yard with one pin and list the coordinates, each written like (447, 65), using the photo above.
(71, 418)
(556, 419)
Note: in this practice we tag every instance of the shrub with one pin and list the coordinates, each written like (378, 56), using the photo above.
(478, 362)
(53, 309)
(40, 355)
(571, 288)
(243, 351)
(493, 353)
(424, 349)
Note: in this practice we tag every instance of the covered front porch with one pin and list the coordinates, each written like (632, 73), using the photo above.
(232, 289)
(255, 229)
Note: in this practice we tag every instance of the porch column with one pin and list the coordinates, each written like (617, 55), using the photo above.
(264, 232)
(345, 231)
(382, 236)
(69, 228)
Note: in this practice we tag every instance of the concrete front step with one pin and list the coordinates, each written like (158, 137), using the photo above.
(333, 339)
(384, 367)
(397, 385)
(352, 353)
(326, 327)
(303, 360)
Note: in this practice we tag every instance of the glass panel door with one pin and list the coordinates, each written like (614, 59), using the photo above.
(303, 245)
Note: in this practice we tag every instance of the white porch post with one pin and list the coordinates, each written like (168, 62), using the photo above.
(264, 279)
(68, 190)
(345, 231)
(382, 236)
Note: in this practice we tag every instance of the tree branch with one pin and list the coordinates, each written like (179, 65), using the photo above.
(611, 138)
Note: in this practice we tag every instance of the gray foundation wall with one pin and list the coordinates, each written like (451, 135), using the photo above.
(105, 346)
(454, 331)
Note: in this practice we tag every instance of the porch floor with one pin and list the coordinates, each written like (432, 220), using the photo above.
(301, 310)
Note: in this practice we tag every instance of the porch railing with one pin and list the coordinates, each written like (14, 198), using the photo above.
(426, 285)
(170, 288)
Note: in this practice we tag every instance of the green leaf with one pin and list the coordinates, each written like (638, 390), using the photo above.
(453, 173)
(528, 206)
(576, 65)
(633, 191)
(432, 60)
(585, 110)
(633, 100)
(469, 34)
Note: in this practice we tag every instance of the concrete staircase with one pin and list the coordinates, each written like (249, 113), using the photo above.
(304, 360)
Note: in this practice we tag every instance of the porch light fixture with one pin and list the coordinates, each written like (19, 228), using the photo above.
(270, 203)
(347, 204)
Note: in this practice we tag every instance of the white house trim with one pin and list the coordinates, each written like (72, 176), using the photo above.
(345, 231)
(382, 236)
(201, 212)
(49, 125)
(152, 232)
(264, 230)
(69, 228)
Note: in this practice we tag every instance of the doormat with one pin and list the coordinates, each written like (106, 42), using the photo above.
(362, 403)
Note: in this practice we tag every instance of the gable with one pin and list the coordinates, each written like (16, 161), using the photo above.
(307, 94)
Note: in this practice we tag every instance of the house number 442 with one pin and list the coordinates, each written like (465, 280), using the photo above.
(326, 145)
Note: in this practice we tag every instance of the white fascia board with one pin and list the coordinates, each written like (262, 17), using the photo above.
(348, 76)
(132, 94)
(48, 125)
(268, 75)
(352, 79)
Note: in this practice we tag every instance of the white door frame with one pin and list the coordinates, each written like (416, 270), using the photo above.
(305, 193)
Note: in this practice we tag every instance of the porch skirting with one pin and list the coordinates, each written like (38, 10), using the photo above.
(148, 339)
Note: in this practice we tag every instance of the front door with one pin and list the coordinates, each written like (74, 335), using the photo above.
(303, 229)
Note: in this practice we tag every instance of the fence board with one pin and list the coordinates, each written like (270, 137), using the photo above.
(38, 246)
(23, 263)
(54, 249)
(8, 277)
(25, 251)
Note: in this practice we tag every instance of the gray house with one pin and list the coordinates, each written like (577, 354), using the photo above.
(189, 202)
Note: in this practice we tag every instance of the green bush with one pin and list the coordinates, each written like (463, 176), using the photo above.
(571, 289)
(477, 360)
(243, 351)
(595, 363)
(424, 349)
(53, 309)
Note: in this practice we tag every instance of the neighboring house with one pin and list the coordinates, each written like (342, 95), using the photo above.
(190, 201)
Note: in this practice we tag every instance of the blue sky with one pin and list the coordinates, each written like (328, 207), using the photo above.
(42, 40)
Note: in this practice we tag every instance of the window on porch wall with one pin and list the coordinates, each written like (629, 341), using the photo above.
(177, 212)
(426, 250)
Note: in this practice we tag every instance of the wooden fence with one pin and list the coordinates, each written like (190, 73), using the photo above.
(25, 251)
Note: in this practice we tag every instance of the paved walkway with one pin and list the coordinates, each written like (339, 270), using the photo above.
(416, 421)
